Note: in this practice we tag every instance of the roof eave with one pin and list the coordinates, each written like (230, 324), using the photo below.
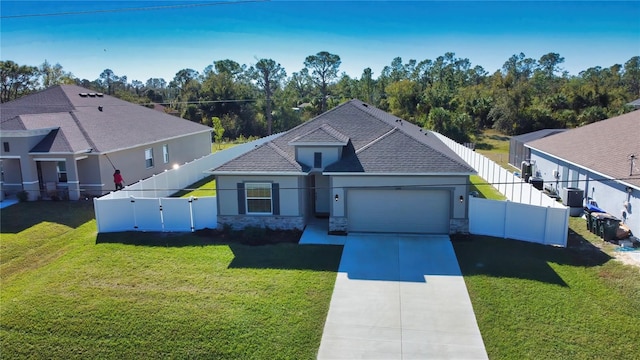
(398, 174)
(610, 177)
(257, 173)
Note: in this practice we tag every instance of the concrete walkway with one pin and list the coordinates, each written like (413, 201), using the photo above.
(399, 297)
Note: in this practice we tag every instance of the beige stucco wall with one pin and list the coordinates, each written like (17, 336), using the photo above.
(131, 162)
(92, 172)
(457, 184)
(291, 203)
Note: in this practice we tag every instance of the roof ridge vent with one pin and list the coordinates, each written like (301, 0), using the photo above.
(83, 94)
(92, 94)
(99, 94)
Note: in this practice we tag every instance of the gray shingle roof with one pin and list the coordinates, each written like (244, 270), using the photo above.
(378, 142)
(120, 124)
(324, 134)
(603, 146)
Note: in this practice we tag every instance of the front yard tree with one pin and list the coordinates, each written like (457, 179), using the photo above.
(268, 74)
(324, 66)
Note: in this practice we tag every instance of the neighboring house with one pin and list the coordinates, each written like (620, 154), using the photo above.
(602, 159)
(68, 139)
(518, 152)
(364, 169)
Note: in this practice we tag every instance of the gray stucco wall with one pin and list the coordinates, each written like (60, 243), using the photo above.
(227, 194)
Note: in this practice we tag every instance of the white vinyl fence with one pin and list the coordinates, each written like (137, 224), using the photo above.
(145, 205)
(528, 215)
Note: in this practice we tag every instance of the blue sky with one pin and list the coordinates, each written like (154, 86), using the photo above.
(159, 43)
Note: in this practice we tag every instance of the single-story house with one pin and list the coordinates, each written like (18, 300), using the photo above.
(602, 159)
(360, 167)
(67, 140)
(635, 104)
(518, 152)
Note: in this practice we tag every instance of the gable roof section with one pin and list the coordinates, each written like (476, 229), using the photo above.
(325, 135)
(603, 147)
(376, 142)
(266, 158)
(120, 124)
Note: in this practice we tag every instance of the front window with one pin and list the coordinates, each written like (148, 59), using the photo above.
(62, 171)
(165, 153)
(258, 197)
(148, 157)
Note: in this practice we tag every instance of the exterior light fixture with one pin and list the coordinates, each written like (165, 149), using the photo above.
(175, 166)
(461, 198)
(337, 197)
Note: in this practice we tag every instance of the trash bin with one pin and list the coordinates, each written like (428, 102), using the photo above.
(604, 223)
(609, 229)
(587, 217)
(593, 220)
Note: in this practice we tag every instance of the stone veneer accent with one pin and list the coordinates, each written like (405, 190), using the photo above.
(459, 226)
(338, 225)
(271, 222)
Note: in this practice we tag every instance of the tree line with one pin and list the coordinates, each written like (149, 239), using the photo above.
(447, 94)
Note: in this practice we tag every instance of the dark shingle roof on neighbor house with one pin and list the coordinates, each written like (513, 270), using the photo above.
(604, 146)
(82, 125)
(377, 143)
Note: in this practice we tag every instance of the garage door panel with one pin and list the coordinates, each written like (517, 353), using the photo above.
(404, 211)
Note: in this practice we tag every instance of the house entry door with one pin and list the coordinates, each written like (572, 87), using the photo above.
(322, 194)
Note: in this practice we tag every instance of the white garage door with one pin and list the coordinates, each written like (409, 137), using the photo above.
(399, 211)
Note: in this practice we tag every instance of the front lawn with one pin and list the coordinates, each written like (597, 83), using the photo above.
(67, 293)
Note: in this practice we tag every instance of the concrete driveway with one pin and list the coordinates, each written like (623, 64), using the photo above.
(400, 297)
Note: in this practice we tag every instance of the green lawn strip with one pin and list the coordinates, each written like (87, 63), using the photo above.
(204, 187)
(113, 300)
(540, 302)
(484, 189)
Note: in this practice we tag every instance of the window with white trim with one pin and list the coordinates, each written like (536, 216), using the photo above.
(258, 198)
(165, 153)
(148, 157)
(61, 168)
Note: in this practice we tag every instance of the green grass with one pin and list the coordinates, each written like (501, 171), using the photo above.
(204, 187)
(484, 189)
(495, 146)
(68, 293)
(540, 302)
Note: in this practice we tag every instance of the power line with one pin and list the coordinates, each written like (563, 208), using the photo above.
(417, 186)
(146, 8)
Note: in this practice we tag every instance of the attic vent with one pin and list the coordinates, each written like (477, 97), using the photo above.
(92, 94)
(365, 105)
(83, 94)
(99, 94)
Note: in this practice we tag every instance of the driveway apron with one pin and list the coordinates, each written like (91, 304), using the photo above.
(400, 297)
